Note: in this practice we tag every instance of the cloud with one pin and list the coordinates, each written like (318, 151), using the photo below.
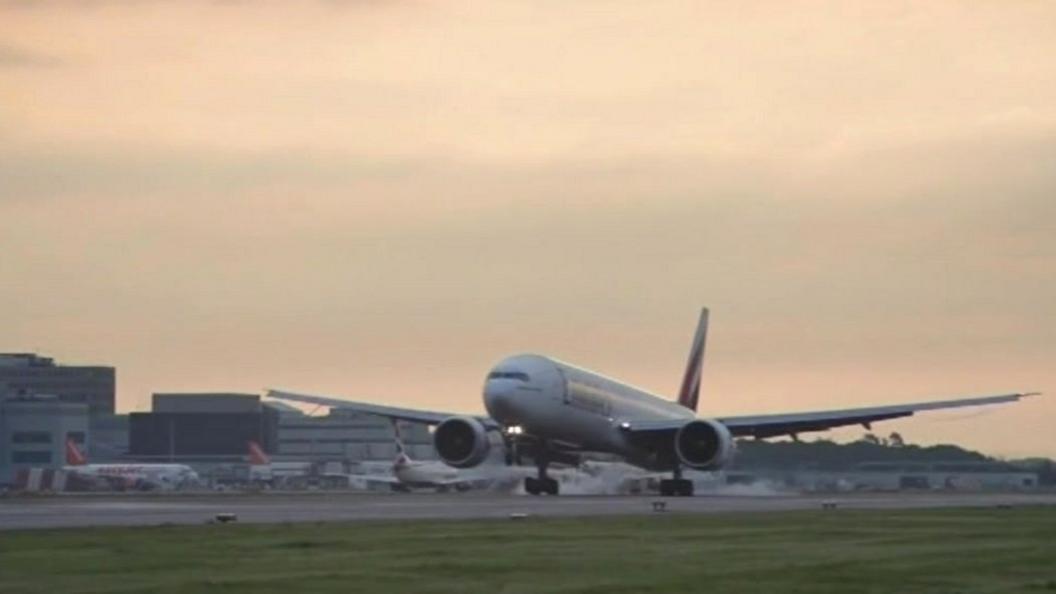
(16, 57)
(56, 173)
(970, 208)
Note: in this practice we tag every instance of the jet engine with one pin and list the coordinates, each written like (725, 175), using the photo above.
(704, 445)
(461, 442)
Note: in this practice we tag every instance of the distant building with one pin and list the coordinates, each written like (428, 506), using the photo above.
(206, 426)
(212, 430)
(888, 476)
(107, 438)
(29, 374)
(347, 436)
(962, 476)
(34, 430)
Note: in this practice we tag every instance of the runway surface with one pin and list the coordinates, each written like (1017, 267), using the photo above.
(79, 511)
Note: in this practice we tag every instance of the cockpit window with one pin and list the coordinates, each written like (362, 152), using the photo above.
(514, 375)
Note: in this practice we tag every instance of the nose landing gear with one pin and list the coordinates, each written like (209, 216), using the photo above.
(542, 484)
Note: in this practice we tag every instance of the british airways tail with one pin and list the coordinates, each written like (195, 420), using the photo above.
(402, 459)
(257, 457)
(74, 457)
(689, 393)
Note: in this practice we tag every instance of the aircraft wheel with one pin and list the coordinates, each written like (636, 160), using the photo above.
(676, 488)
(666, 489)
(685, 488)
(550, 486)
(531, 485)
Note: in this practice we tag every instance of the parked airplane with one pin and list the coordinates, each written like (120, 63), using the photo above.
(145, 477)
(263, 471)
(409, 474)
(554, 411)
(406, 474)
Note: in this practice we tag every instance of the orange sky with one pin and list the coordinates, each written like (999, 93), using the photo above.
(381, 199)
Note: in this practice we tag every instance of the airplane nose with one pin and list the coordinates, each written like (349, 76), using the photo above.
(498, 400)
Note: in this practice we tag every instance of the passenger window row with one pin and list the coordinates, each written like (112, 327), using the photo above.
(514, 375)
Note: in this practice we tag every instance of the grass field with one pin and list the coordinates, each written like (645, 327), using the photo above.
(948, 551)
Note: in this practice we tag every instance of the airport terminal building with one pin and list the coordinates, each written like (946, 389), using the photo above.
(33, 431)
(218, 426)
(29, 374)
(43, 403)
(347, 436)
(208, 430)
(202, 427)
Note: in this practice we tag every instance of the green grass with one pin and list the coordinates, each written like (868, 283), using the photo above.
(948, 551)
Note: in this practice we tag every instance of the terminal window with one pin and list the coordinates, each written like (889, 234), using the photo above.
(31, 437)
(31, 457)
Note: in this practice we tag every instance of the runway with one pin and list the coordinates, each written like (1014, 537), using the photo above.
(81, 511)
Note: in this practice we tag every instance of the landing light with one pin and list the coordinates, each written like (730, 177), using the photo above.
(514, 430)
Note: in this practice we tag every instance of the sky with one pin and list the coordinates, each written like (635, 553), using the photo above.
(379, 200)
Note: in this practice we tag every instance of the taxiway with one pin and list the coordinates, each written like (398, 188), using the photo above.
(80, 511)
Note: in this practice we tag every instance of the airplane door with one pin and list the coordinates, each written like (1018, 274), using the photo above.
(562, 378)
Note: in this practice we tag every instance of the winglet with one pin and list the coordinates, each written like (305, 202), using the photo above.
(689, 393)
(74, 457)
(257, 457)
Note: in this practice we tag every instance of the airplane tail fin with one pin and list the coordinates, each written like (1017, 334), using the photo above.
(257, 457)
(689, 393)
(74, 457)
(402, 459)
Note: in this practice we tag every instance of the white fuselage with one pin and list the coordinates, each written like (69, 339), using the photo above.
(425, 474)
(279, 470)
(557, 401)
(157, 476)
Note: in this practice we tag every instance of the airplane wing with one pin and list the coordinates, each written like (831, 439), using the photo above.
(391, 412)
(791, 423)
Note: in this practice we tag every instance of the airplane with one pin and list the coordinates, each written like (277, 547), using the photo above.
(166, 477)
(410, 475)
(418, 475)
(553, 412)
(263, 471)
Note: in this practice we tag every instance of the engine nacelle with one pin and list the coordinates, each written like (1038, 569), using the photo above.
(704, 445)
(461, 442)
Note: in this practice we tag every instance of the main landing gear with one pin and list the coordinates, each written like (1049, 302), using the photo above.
(676, 487)
(542, 484)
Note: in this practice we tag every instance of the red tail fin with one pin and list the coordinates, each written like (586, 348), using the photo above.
(689, 393)
(74, 457)
(256, 455)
